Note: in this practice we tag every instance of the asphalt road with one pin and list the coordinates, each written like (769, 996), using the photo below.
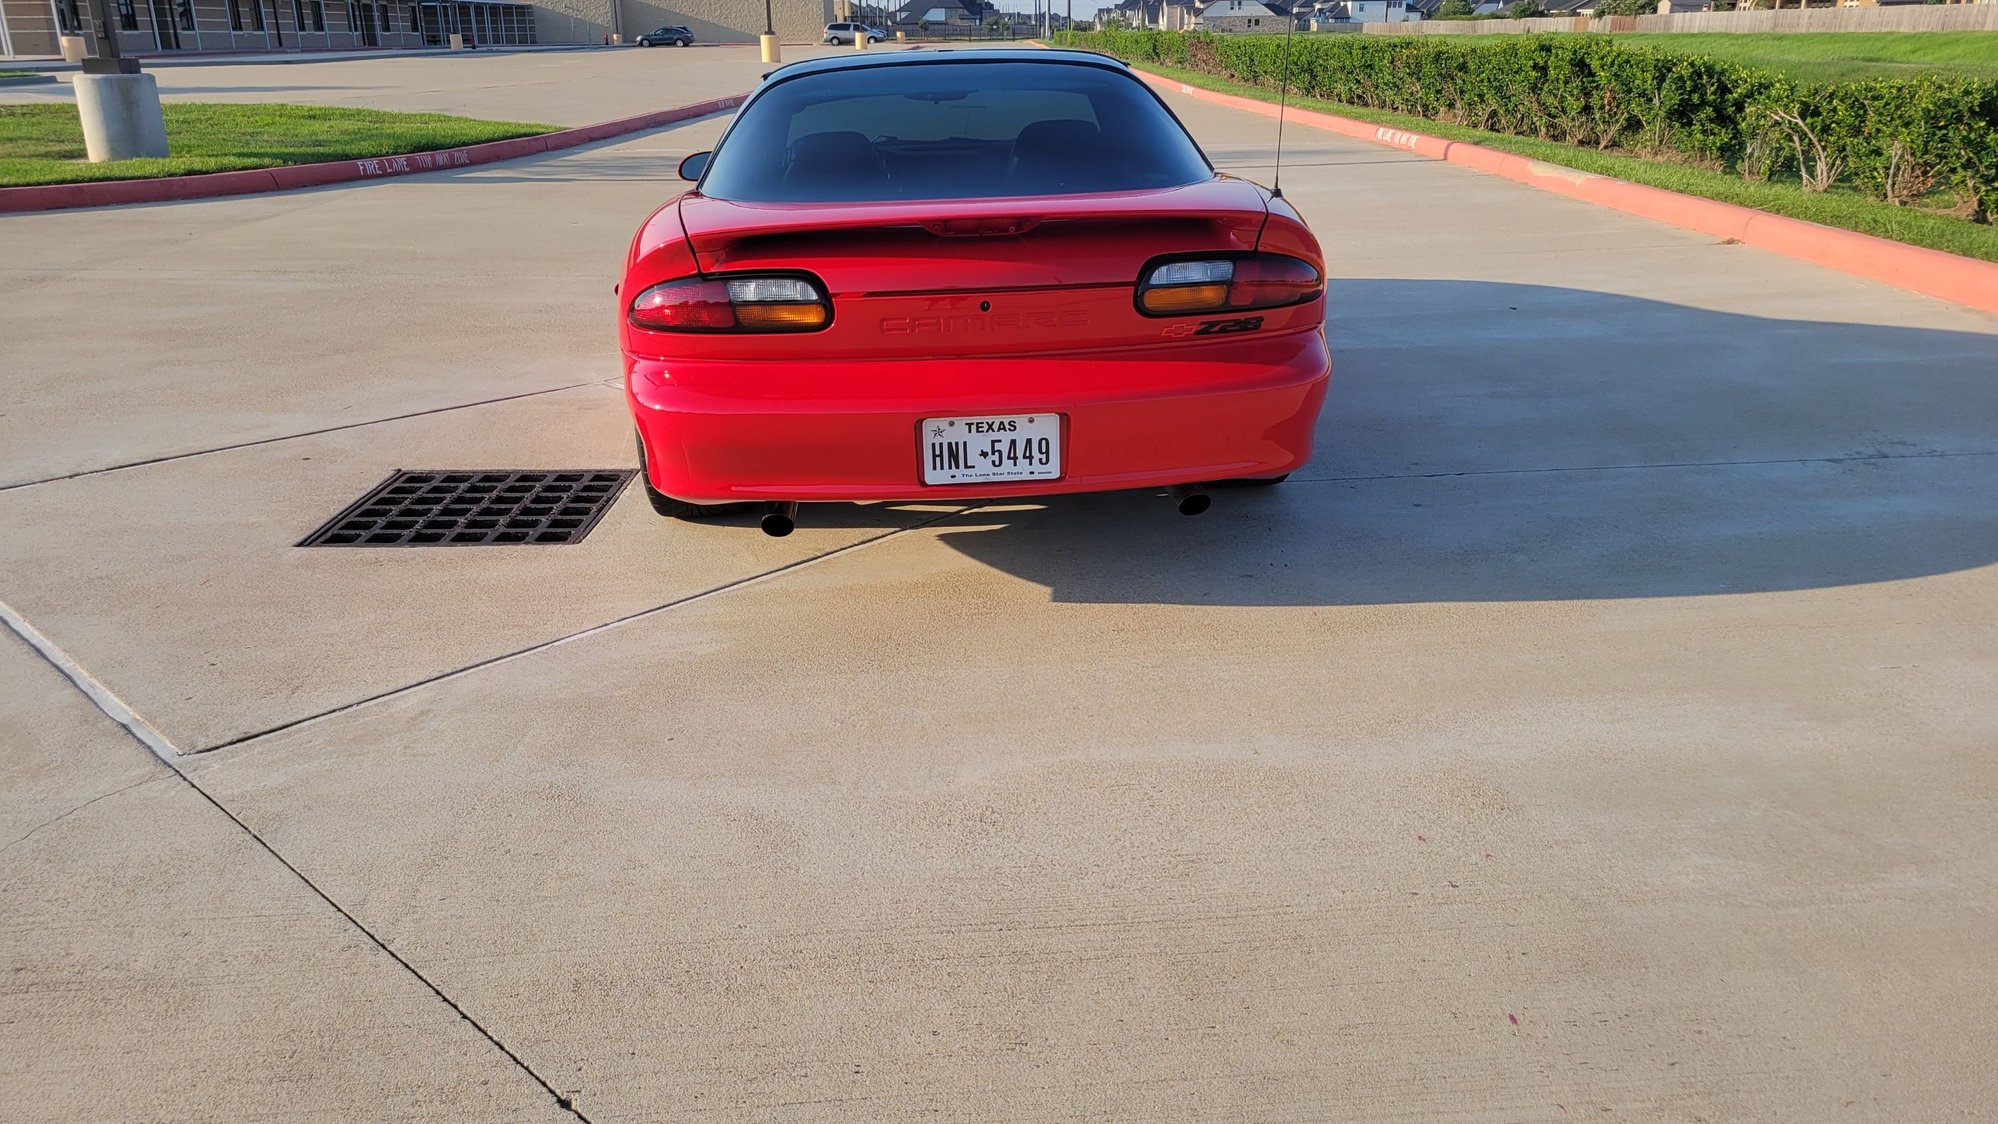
(1600, 727)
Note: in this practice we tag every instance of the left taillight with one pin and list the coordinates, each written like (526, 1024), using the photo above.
(733, 304)
(1179, 287)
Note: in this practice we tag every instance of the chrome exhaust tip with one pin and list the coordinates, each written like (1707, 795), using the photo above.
(780, 520)
(1190, 499)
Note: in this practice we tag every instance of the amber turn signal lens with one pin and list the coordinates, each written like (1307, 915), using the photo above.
(1185, 298)
(781, 317)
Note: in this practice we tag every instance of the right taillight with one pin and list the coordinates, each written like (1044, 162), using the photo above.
(1193, 285)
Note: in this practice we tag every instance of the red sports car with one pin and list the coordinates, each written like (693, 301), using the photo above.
(966, 275)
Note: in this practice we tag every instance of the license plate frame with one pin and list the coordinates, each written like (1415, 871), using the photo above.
(963, 449)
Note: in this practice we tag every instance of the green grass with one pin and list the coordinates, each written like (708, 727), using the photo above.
(1841, 56)
(1839, 207)
(43, 144)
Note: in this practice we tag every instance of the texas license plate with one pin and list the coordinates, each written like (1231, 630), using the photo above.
(990, 449)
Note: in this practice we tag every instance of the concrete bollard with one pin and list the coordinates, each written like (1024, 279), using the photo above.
(121, 116)
(75, 48)
(769, 45)
(860, 40)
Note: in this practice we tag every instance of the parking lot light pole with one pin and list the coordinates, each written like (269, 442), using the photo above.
(119, 103)
(768, 40)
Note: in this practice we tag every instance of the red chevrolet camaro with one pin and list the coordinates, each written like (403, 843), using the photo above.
(966, 275)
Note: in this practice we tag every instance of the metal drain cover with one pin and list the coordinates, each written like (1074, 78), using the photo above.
(469, 507)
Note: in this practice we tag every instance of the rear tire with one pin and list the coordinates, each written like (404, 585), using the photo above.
(683, 43)
(680, 509)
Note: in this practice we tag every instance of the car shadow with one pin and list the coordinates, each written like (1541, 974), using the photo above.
(1498, 442)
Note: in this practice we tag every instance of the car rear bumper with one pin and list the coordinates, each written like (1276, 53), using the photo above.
(722, 431)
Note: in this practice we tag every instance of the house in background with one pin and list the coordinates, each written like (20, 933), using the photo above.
(1148, 15)
(1231, 16)
(1346, 15)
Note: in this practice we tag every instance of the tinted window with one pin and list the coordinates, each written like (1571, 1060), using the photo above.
(953, 130)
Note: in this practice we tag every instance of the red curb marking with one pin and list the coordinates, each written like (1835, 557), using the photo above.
(105, 193)
(1951, 277)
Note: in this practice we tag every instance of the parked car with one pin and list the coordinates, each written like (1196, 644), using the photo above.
(667, 36)
(845, 33)
(966, 275)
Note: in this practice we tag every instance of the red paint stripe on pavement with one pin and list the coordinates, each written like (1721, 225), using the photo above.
(1950, 277)
(105, 193)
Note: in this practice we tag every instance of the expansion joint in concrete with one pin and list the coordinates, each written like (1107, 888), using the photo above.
(145, 735)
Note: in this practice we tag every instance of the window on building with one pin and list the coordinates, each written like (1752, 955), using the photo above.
(184, 11)
(415, 18)
(387, 23)
(256, 14)
(128, 16)
(318, 15)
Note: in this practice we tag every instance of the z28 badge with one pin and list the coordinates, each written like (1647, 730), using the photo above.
(1214, 327)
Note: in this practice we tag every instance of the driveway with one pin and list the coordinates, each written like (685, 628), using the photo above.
(1598, 728)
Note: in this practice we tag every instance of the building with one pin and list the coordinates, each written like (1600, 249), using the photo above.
(149, 27)
(1229, 16)
(938, 17)
(1150, 15)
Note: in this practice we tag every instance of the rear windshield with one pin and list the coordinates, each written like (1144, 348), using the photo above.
(951, 130)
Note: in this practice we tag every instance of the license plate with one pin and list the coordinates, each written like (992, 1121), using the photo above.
(982, 450)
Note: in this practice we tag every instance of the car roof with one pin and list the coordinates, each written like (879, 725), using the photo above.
(917, 55)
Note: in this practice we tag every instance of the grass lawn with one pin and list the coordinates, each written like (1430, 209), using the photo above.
(43, 144)
(1839, 207)
(1840, 56)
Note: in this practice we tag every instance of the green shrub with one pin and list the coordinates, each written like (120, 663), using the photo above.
(1915, 140)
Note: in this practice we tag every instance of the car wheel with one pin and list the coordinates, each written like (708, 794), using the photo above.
(684, 43)
(874, 39)
(1251, 482)
(680, 509)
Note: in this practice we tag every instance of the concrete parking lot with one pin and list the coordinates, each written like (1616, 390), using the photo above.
(1600, 728)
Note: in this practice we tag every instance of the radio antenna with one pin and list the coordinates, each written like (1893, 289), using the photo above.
(1283, 99)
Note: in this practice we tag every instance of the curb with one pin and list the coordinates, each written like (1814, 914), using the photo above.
(1951, 277)
(107, 193)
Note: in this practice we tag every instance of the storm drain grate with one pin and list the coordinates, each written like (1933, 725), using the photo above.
(469, 508)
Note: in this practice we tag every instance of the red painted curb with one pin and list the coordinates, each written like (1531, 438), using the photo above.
(106, 193)
(1950, 277)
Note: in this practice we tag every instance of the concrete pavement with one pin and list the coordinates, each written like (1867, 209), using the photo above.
(552, 87)
(1600, 726)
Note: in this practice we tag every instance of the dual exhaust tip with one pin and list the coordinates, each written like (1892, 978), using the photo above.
(780, 519)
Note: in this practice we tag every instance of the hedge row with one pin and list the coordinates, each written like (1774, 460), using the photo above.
(1930, 139)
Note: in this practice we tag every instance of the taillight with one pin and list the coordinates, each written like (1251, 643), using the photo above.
(1177, 288)
(733, 304)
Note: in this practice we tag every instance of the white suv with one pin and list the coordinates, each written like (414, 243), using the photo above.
(846, 33)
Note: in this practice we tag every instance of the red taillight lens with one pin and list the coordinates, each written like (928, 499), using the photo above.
(733, 304)
(1180, 288)
(692, 305)
(1272, 281)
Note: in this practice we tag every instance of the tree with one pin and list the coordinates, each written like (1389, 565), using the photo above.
(1525, 10)
(1626, 8)
(1455, 10)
